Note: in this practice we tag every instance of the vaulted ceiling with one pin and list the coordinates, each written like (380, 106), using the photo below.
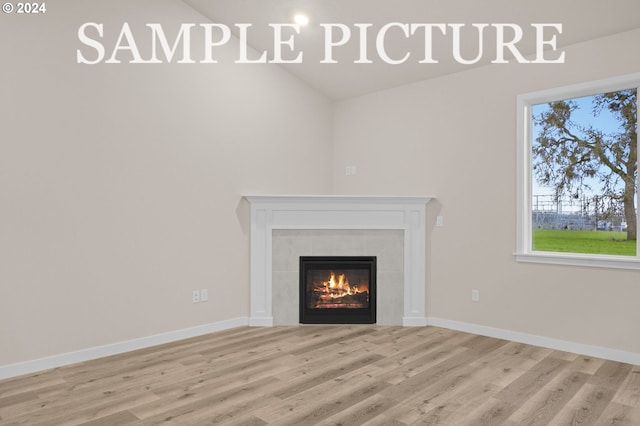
(581, 20)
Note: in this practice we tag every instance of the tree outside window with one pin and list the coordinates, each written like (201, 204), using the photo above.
(577, 174)
(584, 174)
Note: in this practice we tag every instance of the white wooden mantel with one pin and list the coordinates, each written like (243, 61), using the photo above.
(269, 212)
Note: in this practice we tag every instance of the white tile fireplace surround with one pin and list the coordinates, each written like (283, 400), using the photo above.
(325, 217)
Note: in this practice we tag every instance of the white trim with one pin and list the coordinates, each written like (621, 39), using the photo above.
(524, 252)
(27, 367)
(532, 339)
(261, 321)
(324, 199)
(269, 212)
(414, 322)
(576, 259)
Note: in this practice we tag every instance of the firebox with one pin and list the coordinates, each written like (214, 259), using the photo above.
(337, 289)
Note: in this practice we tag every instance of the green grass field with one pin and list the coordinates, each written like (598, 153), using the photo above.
(593, 242)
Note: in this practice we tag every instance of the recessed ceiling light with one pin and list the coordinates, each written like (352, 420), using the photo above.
(301, 19)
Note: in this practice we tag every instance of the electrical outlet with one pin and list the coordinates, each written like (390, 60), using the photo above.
(204, 295)
(195, 297)
(475, 295)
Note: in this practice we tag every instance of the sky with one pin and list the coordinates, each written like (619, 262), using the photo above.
(584, 115)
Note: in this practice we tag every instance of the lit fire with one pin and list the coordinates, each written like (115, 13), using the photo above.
(338, 292)
(339, 286)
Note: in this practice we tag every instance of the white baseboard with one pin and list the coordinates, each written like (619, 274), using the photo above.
(545, 342)
(27, 367)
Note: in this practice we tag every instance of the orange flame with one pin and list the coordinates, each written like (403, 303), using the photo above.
(338, 286)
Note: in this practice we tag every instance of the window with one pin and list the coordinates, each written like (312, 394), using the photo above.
(577, 174)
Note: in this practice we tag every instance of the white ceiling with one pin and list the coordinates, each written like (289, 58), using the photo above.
(581, 20)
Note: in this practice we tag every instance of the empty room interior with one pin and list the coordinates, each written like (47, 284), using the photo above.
(212, 213)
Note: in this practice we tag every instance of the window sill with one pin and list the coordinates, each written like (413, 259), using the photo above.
(575, 259)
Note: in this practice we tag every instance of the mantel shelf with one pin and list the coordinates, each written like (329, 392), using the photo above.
(336, 199)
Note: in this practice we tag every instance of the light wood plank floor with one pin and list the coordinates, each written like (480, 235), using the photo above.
(330, 375)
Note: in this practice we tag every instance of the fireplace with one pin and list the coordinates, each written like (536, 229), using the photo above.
(339, 213)
(337, 289)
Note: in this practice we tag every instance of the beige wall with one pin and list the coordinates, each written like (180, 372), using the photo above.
(454, 138)
(120, 184)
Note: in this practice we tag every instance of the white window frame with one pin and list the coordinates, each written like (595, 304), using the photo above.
(525, 103)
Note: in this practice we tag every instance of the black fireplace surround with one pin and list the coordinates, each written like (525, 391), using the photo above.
(337, 289)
